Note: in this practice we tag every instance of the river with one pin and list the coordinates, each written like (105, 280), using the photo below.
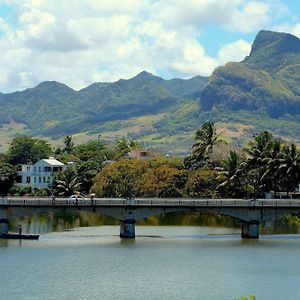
(163, 262)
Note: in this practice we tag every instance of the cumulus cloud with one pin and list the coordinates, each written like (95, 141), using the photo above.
(293, 29)
(83, 41)
(236, 51)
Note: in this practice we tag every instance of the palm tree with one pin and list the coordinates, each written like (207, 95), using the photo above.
(255, 163)
(290, 167)
(205, 139)
(67, 183)
(124, 146)
(69, 144)
(230, 173)
(259, 148)
(272, 161)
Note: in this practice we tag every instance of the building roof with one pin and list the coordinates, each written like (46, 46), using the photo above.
(53, 162)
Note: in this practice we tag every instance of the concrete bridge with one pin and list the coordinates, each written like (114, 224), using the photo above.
(251, 213)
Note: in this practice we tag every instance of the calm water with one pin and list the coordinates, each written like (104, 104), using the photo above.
(163, 262)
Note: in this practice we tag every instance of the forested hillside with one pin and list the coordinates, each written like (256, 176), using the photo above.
(260, 93)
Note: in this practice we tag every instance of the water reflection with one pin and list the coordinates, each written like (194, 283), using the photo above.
(65, 221)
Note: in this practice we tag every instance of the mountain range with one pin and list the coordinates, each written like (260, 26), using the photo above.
(262, 92)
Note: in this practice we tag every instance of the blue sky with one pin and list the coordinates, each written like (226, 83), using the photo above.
(84, 41)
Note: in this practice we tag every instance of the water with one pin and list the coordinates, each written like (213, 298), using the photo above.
(163, 262)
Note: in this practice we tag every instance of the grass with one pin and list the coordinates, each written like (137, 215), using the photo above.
(8, 131)
(176, 130)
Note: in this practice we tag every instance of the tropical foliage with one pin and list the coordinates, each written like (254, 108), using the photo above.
(26, 149)
(7, 176)
(67, 183)
(267, 164)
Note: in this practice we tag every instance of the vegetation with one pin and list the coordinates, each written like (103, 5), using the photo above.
(261, 93)
(262, 167)
(53, 109)
(267, 80)
(67, 183)
(250, 297)
(26, 149)
(266, 164)
(7, 176)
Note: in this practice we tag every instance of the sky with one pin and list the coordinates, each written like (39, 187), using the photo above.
(80, 42)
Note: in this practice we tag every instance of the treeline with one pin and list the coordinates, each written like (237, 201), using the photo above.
(212, 170)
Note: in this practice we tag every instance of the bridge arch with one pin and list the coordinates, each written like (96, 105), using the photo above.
(128, 211)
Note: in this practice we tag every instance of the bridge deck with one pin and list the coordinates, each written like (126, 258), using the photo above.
(147, 202)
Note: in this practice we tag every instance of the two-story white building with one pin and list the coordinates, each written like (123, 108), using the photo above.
(40, 174)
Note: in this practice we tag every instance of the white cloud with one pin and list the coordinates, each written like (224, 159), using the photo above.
(79, 42)
(293, 29)
(234, 51)
(253, 16)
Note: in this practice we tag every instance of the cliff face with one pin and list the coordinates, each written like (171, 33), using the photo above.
(268, 79)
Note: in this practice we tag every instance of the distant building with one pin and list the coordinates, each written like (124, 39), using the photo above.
(40, 174)
(140, 154)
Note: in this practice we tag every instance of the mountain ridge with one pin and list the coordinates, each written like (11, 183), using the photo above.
(52, 108)
(262, 92)
(264, 80)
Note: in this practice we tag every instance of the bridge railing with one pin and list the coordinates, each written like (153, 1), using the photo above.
(152, 202)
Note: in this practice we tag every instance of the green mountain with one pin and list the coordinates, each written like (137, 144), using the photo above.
(262, 92)
(268, 80)
(54, 110)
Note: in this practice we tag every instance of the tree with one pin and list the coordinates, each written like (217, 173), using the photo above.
(26, 149)
(231, 176)
(67, 182)
(258, 152)
(120, 179)
(272, 161)
(69, 144)
(87, 170)
(7, 177)
(163, 181)
(205, 139)
(289, 168)
(124, 146)
(202, 183)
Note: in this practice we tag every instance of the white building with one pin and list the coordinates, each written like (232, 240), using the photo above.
(40, 174)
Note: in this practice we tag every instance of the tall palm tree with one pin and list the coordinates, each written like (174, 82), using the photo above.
(259, 148)
(290, 167)
(230, 174)
(205, 139)
(69, 144)
(272, 161)
(257, 152)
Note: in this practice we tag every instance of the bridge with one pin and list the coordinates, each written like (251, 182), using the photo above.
(250, 213)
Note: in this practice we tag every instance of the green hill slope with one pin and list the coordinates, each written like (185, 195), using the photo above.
(260, 93)
(54, 110)
(268, 80)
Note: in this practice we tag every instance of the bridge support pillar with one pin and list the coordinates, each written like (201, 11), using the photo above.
(127, 229)
(250, 230)
(3, 226)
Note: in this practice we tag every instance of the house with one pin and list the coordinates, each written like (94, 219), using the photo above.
(40, 174)
(140, 154)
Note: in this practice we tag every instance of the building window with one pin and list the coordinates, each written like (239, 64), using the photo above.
(47, 169)
(44, 179)
(34, 169)
(34, 179)
(19, 179)
(28, 169)
(39, 169)
(27, 179)
(40, 179)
